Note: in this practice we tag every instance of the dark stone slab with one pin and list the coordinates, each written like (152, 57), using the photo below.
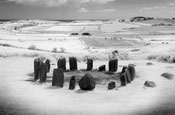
(87, 82)
(43, 72)
(58, 78)
(102, 68)
(47, 63)
(123, 79)
(72, 83)
(132, 71)
(111, 85)
(73, 63)
(61, 64)
(113, 65)
(36, 68)
(128, 76)
(89, 64)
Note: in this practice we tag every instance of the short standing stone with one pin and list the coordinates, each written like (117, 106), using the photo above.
(73, 63)
(47, 63)
(123, 79)
(89, 64)
(43, 72)
(113, 65)
(131, 69)
(111, 85)
(61, 64)
(124, 68)
(149, 84)
(87, 82)
(72, 83)
(102, 68)
(58, 78)
(36, 68)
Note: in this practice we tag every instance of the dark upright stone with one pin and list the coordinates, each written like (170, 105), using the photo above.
(36, 68)
(102, 68)
(113, 65)
(89, 64)
(72, 83)
(87, 82)
(124, 69)
(128, 76)
(131, 69)
(73, 63)
(61, 64)
(47, 63)
(58, 78)
(43, 72)
(123, 79)
(111, 85)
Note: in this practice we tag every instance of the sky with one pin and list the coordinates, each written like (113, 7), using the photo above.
(85, 9)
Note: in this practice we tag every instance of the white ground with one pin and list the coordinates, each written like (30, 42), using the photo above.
(19, 96)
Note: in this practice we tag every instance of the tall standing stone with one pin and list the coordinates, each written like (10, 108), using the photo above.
(36, 68)
(128, 76)
(102, 68)
(43, 72)
(61, 64)
(58, 78)
(72, 83)
(73, 63)
(131, 69)
(113, 65)
(89, 64)
(47, 63)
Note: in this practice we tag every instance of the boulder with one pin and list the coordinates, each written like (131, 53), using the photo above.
(73, 63)
(47, 63)
(87, 82)
(168, 76)
(89, 64)
(149, 84)
(132, 71)
(61, 64)
(102, 68)
(58, 78)
(111, 85)
(113, 65)
(72, 83)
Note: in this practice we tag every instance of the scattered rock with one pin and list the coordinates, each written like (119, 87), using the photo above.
(149, 84)
(111, 85)
(87, 82)
(168, 76)
(149, 63)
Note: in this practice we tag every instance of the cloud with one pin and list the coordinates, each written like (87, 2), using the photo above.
(51, 3)
(109, 10)
(171, 4)
(83, 10)
(154, 8)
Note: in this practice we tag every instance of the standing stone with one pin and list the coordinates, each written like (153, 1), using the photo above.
(123, 79)
(111, 85)
(73, 63)
(36, 68)
(102, 68)
(128, 76)
(131, 69)
(58, 78)
(87, 82)
(47, 63)
(72, 83)
(124, 69)
(61, 64)
(113, 65)
(43, 72)
(89, 64)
